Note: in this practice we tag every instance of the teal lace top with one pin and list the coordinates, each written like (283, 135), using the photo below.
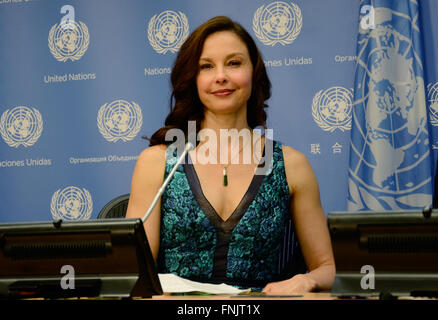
(244, 250)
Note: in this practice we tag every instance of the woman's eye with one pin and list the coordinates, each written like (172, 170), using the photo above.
(235, 63)
(205, 66)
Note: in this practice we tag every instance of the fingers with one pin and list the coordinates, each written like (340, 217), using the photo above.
(297, 285)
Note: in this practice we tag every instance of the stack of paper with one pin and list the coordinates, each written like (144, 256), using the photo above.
(174, 284)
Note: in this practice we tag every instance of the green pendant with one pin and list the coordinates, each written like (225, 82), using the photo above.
(225, 177)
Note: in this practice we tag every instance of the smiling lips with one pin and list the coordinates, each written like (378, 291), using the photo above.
(222, 92)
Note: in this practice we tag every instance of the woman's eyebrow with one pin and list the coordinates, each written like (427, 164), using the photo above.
(231, 55)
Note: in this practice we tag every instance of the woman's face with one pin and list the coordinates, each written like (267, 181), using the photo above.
(224, 79)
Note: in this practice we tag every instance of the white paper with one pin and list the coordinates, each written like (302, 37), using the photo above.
(172, 283)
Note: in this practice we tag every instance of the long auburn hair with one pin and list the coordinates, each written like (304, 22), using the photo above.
(185, 104)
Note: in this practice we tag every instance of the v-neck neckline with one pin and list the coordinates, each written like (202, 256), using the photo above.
(220, 224)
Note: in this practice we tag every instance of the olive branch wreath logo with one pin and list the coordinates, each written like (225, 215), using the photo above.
(56, 195)
(156, 45)
(271, 42)
(34, 137)
(60, 57)
(320, 121)
(133, 131)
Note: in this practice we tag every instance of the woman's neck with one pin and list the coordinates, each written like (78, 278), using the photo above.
(228, 138)
(227, 121)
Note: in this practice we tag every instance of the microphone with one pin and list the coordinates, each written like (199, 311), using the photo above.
(189, 146)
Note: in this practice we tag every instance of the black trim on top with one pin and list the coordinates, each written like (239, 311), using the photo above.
(223, 228)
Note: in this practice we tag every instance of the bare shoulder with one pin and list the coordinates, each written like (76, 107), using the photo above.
(147, 177)
(154, 152)
(153, 155)
(294, 158)
(151, 161)
(299, 172)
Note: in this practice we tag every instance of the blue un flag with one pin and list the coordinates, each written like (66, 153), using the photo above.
(390, 153)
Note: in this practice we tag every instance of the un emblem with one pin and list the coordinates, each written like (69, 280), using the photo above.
(167, 31)
(69, 42)
(119, 120)
(390, 146)
(21, 126)
(71, 203)
(332, 108)
(278, 22)
(432, 99)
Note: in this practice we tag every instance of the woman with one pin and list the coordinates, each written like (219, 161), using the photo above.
(217, 220)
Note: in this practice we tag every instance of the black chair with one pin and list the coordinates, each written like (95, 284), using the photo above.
(116, 208)
(291, 260)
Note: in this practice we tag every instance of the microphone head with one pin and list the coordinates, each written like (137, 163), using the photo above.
(189, 146)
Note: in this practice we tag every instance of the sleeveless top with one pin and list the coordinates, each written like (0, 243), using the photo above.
(244, 250)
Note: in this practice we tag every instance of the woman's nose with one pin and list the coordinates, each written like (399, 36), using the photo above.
(221, 76)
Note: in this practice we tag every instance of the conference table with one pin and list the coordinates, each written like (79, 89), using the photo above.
(245, 296)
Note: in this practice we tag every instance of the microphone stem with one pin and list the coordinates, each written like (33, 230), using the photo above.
(187, 148)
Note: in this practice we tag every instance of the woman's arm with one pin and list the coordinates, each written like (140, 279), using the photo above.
(147, 179)
(311, 227)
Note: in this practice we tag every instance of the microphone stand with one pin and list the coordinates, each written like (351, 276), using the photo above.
(189, 146)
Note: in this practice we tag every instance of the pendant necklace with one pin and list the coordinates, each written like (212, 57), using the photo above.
(225, 176)
(224, 171)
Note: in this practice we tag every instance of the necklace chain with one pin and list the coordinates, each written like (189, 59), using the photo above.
(224, 170)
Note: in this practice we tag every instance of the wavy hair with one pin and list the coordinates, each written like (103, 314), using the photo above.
(185, 104)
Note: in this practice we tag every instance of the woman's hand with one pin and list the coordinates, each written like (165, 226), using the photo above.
(298, 284)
